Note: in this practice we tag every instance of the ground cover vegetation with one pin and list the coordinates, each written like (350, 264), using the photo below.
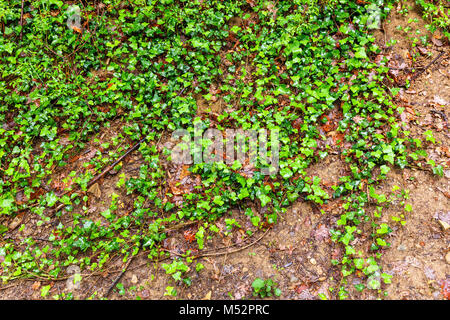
(140, 69)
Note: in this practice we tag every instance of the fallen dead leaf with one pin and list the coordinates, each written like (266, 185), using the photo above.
(16, 221)
(301, 288)
(439, 100)
(95, 190)
(444, 225)
(436, 41)
(207, 296)
(76, 29)
(446, 289)
(36, 285)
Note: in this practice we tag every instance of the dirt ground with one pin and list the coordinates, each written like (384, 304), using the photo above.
(296, 253)
(419, 258)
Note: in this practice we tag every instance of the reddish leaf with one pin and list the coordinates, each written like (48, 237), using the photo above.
(446, 289)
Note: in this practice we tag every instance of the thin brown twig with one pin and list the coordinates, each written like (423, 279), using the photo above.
(181, 225)
(119, 277)
(417, 74)
(443, 116)
(10, 286)
(110, 167)
(55, 53)
(215, 254)
(106, 170)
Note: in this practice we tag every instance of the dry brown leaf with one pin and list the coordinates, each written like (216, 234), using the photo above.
(16, 221)
(436, 41)
(76, 29)
(95, 190)
(36, 285)
(207, 296)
